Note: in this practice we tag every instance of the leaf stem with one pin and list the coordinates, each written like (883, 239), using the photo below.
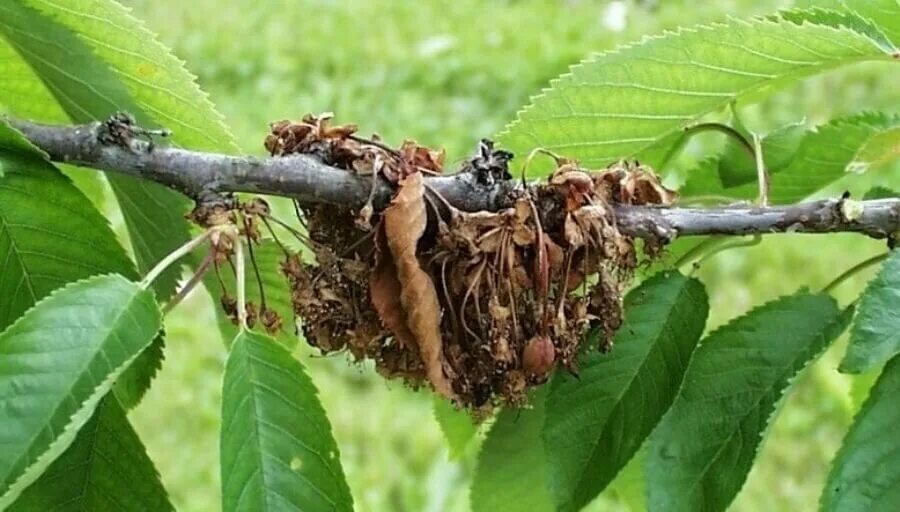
(761, 173)
(240, 280)
(855, 269)
(722, 128)
(174, 256)
(191, 284)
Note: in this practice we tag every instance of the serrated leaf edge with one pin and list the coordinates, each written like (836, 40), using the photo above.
(842, 316)
(666, 34)
(77, 420)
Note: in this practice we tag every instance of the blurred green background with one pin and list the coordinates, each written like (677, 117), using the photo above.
(448, 74)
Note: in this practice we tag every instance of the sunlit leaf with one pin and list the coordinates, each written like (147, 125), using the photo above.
(623, 103)
(58, 361)
(842, 18)
(457, 425)
(95, 59)
(883, 14)
(738, 167)
(824, 156)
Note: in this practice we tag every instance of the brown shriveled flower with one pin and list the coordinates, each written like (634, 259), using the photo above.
(479, 306)
(229, 306)
(251, 313)
(271, 320)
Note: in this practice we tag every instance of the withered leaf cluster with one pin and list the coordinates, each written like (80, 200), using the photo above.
(479, 306)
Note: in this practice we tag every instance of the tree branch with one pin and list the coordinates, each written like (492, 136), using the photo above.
(200, 175)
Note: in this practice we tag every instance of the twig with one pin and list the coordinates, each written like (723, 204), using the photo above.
(198, 174)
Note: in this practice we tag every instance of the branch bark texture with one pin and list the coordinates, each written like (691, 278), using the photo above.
(200, 175)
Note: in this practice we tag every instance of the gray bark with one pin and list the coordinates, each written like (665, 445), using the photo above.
(199, 175)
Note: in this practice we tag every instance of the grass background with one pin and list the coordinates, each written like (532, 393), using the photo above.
(448, 74)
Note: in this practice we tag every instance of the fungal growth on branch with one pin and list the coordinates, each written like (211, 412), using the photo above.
(479, 305)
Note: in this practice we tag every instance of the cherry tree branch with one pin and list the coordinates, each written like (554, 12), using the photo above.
(202, 175)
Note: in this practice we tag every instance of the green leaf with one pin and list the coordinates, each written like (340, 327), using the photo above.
(594, 424)
(883, 14)
(880, 193)
(268, 256)
(824, 156)
(51, 235)
(703, 449)
(105, 469)
(623, 103)
(865, 475)
(511, 472)
(156, 80)
(277, 450)
(875, 336)
(46, 244)
(21, 91)
(57, 362)
(95, 59)
(457, 425)
(11, 141)
(630, 486)
(88, 89)
(841, 18)
(738, 167)
(881, 149)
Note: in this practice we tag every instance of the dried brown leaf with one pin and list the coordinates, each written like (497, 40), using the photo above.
(422, 158)
(404, 223)
(384, 290)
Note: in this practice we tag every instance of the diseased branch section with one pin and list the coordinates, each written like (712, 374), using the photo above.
(200, 175)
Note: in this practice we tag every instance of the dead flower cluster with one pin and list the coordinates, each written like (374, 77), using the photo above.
(478, 305)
